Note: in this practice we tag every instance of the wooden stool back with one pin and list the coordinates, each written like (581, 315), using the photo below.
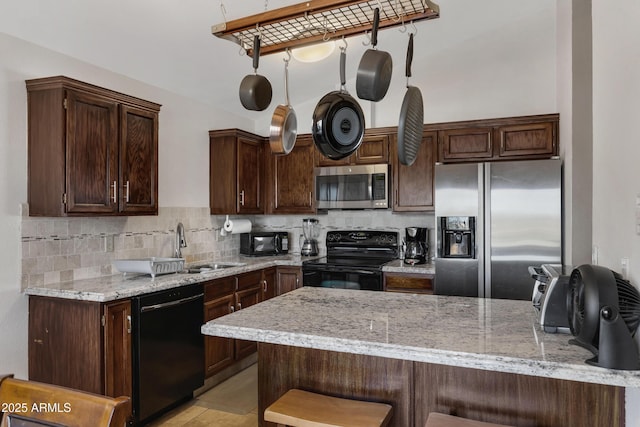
(298, 408)
(442, 420)
(61, 405)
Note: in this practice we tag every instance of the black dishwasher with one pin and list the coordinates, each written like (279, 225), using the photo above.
(168, 350)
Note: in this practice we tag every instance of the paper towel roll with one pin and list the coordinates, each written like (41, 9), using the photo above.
(237, 226)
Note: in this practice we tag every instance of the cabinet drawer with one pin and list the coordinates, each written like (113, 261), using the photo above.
(250, 280)
(405, 282)
(219, 287)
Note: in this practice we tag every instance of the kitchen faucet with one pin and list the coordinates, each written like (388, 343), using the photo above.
(181, 241)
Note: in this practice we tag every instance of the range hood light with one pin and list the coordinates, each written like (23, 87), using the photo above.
(314, 52)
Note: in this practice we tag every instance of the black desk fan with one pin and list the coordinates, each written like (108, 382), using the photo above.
(604, 315)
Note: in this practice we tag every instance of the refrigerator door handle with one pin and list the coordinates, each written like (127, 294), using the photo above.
(486, 238)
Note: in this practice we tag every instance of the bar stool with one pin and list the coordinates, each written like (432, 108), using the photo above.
(298, 408)
(442, 420)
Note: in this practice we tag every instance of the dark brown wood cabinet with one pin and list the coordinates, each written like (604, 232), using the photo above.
(290, 179)
(219, 300)
(81, 344)
(284, 184)
(289, 279)
(408, 282)
(373, 150)
(412, 186)
(512, 138)
(249, 292)
(91, 151)
(269, 283)
(117, 348)
(226, 295)
(235, 172)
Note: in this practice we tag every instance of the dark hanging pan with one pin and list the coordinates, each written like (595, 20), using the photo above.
(374, 71)
(255, 90)
(338, 122)
(411, 117)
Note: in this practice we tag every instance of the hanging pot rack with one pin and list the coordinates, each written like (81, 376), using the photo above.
(315, 21)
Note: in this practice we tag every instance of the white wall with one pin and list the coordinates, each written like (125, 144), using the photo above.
(616, 148)
(183, 164)
(616, 141)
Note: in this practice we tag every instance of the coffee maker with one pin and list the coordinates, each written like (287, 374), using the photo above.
(417, 245)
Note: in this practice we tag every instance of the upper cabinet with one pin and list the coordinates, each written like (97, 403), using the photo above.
(514, 138)
(91, 151)
(246, 178)
(290, 179)
(413, 185)
(235, 172)
(374, 149)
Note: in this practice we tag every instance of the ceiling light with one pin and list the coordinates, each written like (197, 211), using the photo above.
(314, 52)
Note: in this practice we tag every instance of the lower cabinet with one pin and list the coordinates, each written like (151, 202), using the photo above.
(249, 293)
(81, 344)
(219, 300)
(269, 283)
(408, 282)
(226, 295)
(289, 278)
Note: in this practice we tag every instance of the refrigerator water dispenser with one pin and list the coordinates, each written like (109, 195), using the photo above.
(458, 236)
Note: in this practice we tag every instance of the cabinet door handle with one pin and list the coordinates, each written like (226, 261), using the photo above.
(242, 198)
(239, 306)
(114, 186)
(297, 282)
(310, 198)
(129, 324)
(126, 187)
(264, 285)
(232, 309)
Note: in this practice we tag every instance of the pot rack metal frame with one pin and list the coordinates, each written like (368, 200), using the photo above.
(315, 21)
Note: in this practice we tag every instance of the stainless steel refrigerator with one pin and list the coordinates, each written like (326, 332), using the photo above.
(493, 221)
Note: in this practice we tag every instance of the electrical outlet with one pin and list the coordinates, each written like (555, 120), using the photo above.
(624, 265)
(108, 243)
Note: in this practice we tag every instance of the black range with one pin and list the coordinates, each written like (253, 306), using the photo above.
(354, 260)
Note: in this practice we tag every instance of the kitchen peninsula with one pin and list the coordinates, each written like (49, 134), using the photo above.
(478, 358)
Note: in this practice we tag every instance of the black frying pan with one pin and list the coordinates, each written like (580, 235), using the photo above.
(255, 90)
(338, 122)
(411, 117)
(374, 71)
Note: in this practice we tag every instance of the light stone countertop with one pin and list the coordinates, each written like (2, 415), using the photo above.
(119, 286)
(489, 334)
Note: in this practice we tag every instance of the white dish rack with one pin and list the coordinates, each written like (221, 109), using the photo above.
(153, 265)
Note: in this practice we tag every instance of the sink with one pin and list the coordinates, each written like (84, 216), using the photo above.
(204, 268)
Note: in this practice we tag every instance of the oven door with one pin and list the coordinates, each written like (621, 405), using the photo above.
(342, 277)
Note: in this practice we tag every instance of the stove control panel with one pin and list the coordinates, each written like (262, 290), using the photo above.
(364, 238)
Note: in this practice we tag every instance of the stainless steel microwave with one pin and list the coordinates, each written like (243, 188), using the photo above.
(264, 243)
(352, 187)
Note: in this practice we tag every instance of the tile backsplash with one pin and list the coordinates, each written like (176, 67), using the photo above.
(63, 249)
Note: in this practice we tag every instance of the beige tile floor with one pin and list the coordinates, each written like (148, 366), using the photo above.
(233, 403)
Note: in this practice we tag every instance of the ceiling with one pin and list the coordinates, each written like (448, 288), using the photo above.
(168, 44)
